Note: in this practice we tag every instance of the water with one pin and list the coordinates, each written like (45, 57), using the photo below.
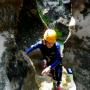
(4, 83)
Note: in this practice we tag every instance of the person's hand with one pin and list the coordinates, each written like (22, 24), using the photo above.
(46, 70)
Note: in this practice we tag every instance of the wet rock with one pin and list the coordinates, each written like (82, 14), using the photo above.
(77, 48)
(77, 51)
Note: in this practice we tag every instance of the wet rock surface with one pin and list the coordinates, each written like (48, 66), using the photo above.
(22, 19)
(78, 50)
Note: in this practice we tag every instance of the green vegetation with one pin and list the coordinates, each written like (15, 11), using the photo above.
(59, 33)
(44, 18)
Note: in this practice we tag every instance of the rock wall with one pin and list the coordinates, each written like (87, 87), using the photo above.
(20, 15)
(77, 48)
(9, 11)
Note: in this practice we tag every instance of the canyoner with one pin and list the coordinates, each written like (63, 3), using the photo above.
(52, 76)
(45, 82)
(52, 57)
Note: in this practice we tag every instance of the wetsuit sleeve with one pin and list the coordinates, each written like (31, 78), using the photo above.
(33, 47)
(61, 50)
(57, 60)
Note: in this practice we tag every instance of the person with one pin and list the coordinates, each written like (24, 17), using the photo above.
(50, 50)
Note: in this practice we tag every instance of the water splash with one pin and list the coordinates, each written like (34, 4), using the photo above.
(4, 83)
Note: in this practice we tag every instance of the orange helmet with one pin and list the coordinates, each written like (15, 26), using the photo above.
(50, 35)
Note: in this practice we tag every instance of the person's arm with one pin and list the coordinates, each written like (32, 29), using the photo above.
(56, 61)
(33, 47)
(61, 49)
(58, 55)
(51, 66)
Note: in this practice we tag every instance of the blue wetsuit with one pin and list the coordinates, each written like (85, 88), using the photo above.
(53, 54)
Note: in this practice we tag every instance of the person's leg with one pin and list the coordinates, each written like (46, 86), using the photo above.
(58, 74)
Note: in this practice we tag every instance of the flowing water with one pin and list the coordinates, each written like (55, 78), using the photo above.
(4, 83)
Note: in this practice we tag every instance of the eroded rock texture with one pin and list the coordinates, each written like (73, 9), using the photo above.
(23, 18)
(77, 48)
